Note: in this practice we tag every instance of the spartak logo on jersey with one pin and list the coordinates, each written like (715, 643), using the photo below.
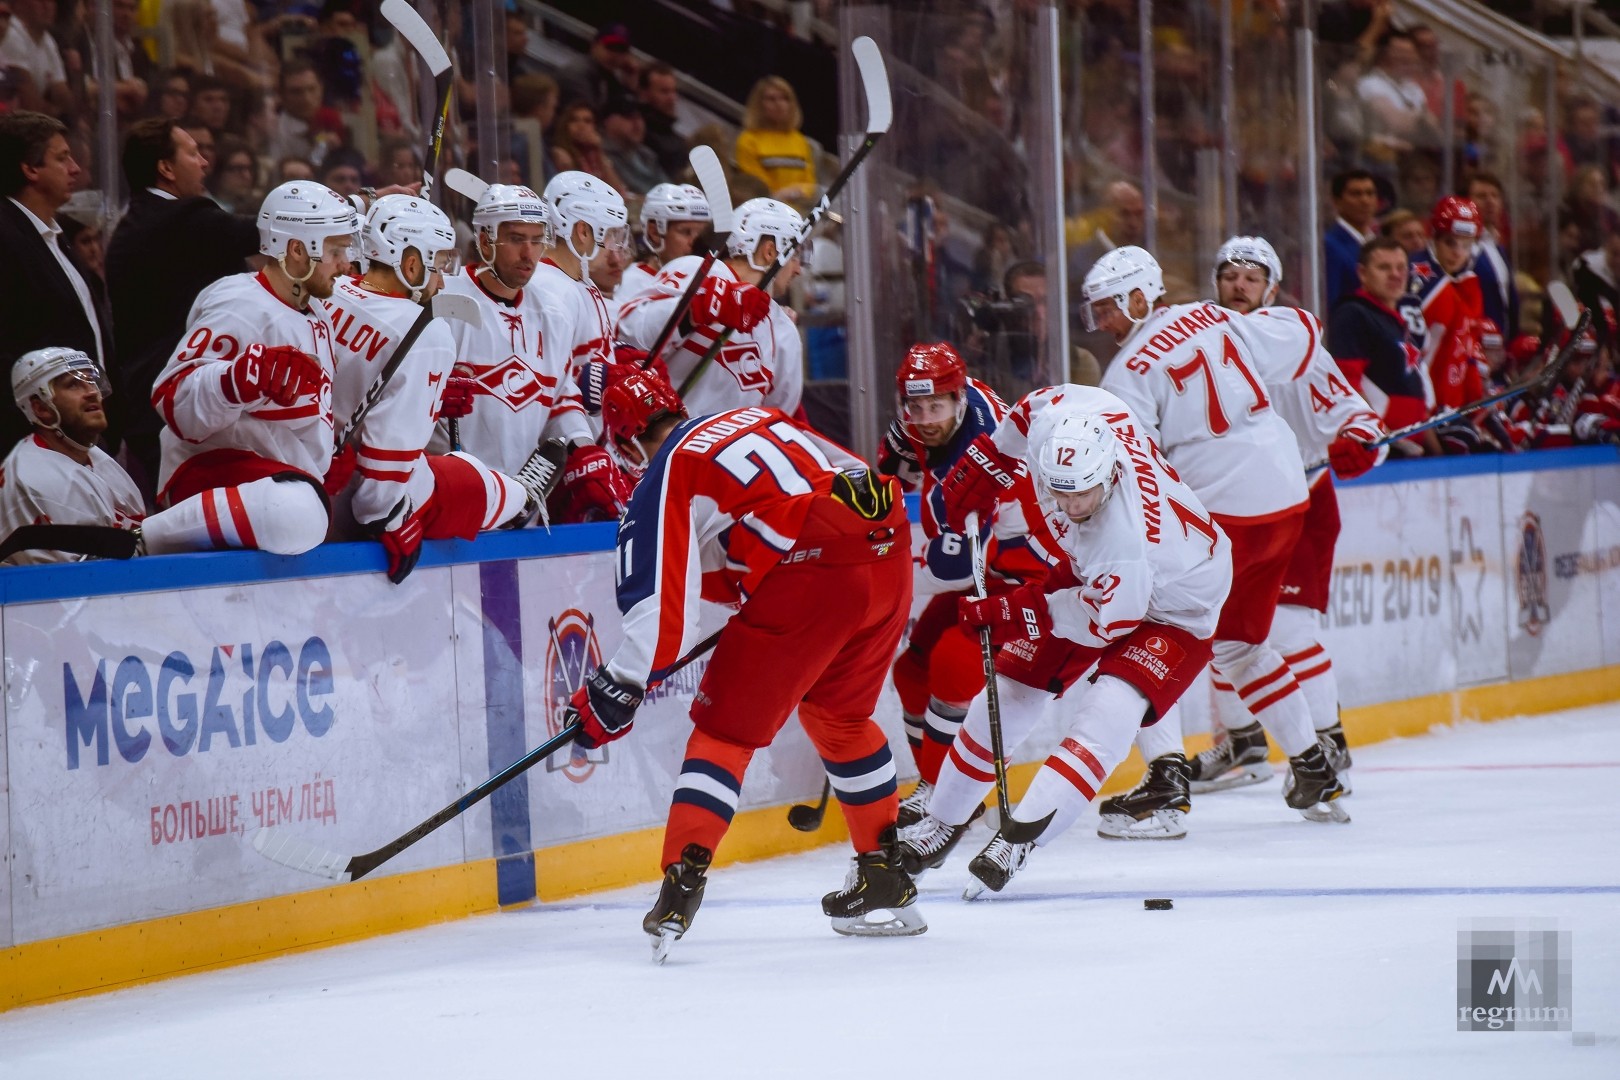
(572, 653)
(746, 365)
(511, 382)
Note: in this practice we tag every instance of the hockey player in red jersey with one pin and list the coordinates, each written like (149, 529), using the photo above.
(247, 395)
(1137, 595)
(399, 493)
(1444, 279)
(1193, 376)
(941, 411)
(812, 548)
(1331, 423)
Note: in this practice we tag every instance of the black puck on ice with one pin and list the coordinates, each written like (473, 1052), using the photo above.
(1158, 904)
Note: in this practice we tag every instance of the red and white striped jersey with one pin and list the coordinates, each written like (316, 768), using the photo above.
(762, 367)
(638, 278)
(389, 449)
(1313, 396)
(526, 390)
(42, 486)
(227, 317)
(726, 495)
(1150, 554)
(1191, 374)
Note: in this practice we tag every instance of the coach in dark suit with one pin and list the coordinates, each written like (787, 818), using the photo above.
(172, 243)
(46, 298)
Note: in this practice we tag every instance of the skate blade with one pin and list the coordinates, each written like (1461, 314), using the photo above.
(975, 889)
(1327, 813)
(882, 922)
(1160, 825)
(1248, 775)
(661, 942)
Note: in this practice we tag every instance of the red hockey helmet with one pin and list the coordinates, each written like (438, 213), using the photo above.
(634, 403)
(1456, 216)
(927, 371)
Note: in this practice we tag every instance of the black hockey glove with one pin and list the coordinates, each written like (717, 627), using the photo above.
(605, 709)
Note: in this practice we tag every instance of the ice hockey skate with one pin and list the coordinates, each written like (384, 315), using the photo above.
(1338, 753)
(1312, 788)
(879, 898)
(915, 805)
(927, 844)
(1156, 809)
(1237, 759)
(993, 867)
(678, 900)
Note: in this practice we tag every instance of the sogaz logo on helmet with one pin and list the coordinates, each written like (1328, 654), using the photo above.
(227, 701)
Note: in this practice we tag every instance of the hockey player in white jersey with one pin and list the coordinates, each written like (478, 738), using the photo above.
(247, 395)
(399, 493)
(525, 401)
(1191, 374)
(673, 217)
(58, 475)
(1330, 422)
(763, 361)
(1137, 595)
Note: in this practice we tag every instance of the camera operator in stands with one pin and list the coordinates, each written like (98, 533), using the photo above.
(1002, 334)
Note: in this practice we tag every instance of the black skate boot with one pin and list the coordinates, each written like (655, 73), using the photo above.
(926, 845)
(1312, 788)
(993, 867)
(1337, 751)
(915, 805)
(678, 900)
(1155, 809)
(879, 898)
(1237, 759)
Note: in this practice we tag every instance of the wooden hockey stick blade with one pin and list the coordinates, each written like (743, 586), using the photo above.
(415, 30)
(462, 182)
(97, 541)
(1564, 301)
(1024, 832)
(278, 845)
(875, 79)
(458, 306)
(711, 177)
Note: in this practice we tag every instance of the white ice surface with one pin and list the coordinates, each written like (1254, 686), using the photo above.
(1294, 950)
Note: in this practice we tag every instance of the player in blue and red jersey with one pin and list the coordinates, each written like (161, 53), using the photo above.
(749, 506)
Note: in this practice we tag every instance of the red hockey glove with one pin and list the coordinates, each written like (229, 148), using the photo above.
(1021, 614)
(280, 373)
(1350, 456)
(458, 398)
(593, 488)
(979, 480)
(732, 304)
(402, 540)
(605, 709)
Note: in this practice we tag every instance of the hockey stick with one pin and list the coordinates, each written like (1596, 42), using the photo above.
(465, 183)
(1016, 832)
(300, 854)
(807, 818)
(711, 176)
(879, 114)
(443, 306)
(97, 541)
(415, 30)
(1572, 315)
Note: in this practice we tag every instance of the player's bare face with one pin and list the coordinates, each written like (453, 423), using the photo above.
(77, 398)
(1452, 252)
(1107, 317)
(1079, 506)
(932, 417)
(337, 256)
(1241, 288)
(519, 246)
(680, 237)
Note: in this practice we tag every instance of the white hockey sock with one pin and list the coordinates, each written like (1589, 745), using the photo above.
(1269, 692)
(1098, 739)
(1163, 737)
(969, 769)
(1229, 710)
(1295, 631)
(286, 517)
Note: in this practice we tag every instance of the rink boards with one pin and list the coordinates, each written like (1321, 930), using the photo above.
(157, 713)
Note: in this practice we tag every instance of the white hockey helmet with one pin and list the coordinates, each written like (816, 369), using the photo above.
(759, 218)
(672, 202)
(510, 202)
(1253, 251)
(1080, 453)
(33, 373)
(1118, 274)
(397, 223)
(575, 198)
(307, 211)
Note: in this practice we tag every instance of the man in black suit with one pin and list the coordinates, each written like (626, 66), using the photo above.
(172, 243)
(46, 298)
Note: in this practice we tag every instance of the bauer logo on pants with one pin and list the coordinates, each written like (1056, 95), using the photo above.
(572, 653)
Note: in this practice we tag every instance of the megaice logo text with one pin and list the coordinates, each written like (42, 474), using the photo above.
(241, 692)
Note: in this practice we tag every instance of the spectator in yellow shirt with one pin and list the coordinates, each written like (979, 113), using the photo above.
(772, 147)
